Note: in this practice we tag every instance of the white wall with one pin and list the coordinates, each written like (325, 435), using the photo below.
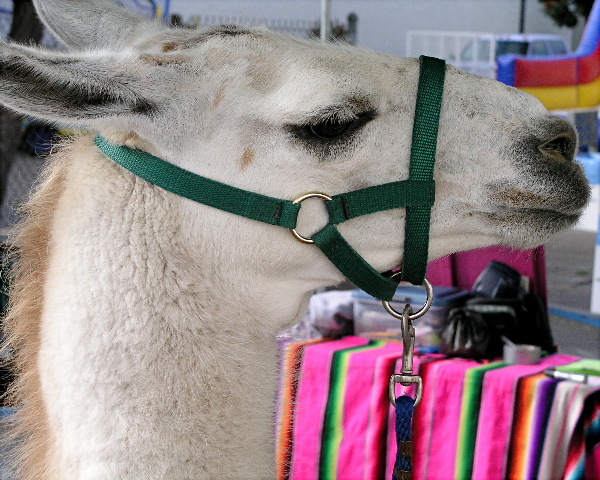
(383, 23)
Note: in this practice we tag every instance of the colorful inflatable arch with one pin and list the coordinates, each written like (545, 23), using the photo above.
(560, 82)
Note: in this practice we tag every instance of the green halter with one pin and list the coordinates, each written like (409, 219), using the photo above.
(416, 194)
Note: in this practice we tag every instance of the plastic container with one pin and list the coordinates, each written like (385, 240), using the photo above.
(522, 354)
(371, 319)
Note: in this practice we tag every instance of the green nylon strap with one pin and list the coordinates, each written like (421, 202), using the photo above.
(352, 265)
(422, 161)
(260, 207)
(200, 189)
(379, 198)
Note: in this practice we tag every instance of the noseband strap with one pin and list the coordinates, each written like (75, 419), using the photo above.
(416, 194)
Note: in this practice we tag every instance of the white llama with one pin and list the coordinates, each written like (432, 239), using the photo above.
(143, 323)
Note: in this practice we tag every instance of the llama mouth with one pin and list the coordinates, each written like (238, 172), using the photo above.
(537, 215)
(553, 198)
(530, 227)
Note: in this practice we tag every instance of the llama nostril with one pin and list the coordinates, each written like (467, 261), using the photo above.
(561, 147)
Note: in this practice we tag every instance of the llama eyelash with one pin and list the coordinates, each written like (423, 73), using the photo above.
(324, 136)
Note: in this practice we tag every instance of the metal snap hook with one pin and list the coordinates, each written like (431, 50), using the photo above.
(406, 377)
(418, 313)
(408, 341)
(405, 380)
(300, 199)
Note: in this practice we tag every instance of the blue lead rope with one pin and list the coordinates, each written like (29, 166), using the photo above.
(404, 412)
(404, 404)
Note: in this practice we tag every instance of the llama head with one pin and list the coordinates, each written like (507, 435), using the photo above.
(282, 117)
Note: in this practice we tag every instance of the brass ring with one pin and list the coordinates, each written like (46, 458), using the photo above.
(417, 314)
(300, 199)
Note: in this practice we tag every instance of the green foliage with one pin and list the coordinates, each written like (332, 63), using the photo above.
(566, 13)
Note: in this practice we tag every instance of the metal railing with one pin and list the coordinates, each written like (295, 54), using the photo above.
(340, 31)
(299, 28)
(472, 52)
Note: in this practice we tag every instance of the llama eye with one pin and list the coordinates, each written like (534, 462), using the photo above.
(322, 136)
(330, 129)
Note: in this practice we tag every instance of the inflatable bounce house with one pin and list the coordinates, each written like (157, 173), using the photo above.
(560, 82)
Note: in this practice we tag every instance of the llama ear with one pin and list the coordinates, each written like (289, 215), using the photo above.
(71, 88)
(84, 24)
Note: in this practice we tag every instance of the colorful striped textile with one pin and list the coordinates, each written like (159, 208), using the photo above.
(482, 421)
(583, 460)
(291, 358)
(500, 403)
(310, 403)
(469, 418)
(566, 413)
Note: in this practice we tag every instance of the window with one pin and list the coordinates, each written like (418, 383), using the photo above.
(538, 48)
(504, 47)
(483, 51)
(557, 47)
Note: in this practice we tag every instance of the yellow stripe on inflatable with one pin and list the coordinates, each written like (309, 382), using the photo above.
(573, 96)
(555, 98)
(589, 94)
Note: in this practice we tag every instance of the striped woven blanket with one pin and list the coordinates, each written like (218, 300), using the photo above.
(484, 421)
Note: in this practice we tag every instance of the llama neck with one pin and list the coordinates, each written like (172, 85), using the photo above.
(150, 343)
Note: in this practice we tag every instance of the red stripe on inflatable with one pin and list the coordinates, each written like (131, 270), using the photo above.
(545, 73)
(589, 66)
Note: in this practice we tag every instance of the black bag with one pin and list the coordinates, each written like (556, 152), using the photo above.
(497, 280)
(475, 330)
